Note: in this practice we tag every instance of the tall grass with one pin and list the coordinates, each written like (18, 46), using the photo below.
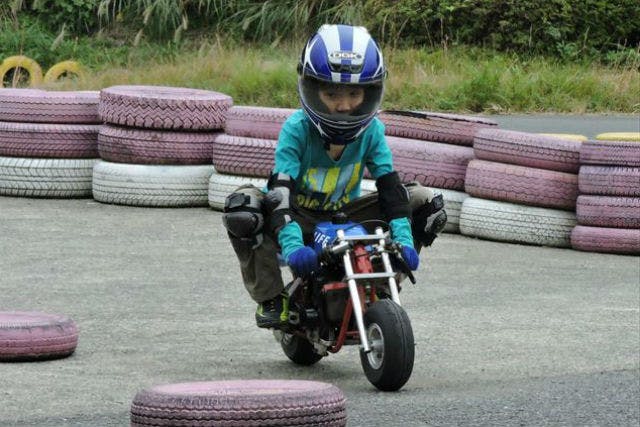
(457, 79)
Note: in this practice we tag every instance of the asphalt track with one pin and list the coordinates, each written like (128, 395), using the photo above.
(506, 334)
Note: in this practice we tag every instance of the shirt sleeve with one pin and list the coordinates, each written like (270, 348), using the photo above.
(291, 142)
(401, 231)
(379, 159)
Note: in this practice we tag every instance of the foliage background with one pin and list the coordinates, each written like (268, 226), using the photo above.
(455, 55)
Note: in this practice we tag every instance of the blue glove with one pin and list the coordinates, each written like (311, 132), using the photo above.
(411, 257)
(303, 261)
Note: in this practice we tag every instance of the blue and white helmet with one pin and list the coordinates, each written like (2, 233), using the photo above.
(341, 56)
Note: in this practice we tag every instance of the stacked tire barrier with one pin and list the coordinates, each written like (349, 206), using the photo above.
(434, 149)
(608, 207)
(156, 145)
(48, 142)
(430, 148)
(523, 188)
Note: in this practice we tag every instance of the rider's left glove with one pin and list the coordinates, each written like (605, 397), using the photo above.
(411, 257)
(401, 232)
(303, 261)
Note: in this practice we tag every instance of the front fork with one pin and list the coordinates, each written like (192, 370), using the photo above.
(351, 276)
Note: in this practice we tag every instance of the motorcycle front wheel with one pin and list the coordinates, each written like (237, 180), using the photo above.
(389, 364)
(299, 349)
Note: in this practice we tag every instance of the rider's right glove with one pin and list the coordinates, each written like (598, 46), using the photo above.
(303, 261)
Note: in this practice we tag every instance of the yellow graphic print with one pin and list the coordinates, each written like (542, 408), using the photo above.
(328, 189)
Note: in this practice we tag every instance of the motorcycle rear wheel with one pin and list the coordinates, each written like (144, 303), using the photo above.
(299, 350)
(389, 364)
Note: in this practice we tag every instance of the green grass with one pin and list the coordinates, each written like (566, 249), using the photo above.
(456, 79)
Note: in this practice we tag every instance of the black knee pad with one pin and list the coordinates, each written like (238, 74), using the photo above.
(428, 220)
(243, 218)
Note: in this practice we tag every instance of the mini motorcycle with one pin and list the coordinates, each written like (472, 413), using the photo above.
(352, 300)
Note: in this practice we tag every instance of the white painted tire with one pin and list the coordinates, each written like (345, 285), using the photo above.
(221, 185)
(49, 178)
(453, 206)
(151, 185)
(508, 222)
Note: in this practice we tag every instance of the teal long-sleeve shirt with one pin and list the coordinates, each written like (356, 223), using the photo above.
(326, 184)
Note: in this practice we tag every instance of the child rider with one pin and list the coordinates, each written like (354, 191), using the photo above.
(320, 158)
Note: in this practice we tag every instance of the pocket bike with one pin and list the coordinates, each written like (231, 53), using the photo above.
(352, 300)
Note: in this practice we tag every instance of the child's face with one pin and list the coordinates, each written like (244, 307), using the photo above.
(342, 99)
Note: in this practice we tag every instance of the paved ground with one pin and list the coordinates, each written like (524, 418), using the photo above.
(507, 334)
(589, 125)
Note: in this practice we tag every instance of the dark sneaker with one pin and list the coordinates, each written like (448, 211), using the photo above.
(274, 312)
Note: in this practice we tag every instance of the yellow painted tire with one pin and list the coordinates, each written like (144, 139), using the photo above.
(571, 136)
(619, 136)
(69, 67)
(26, 63)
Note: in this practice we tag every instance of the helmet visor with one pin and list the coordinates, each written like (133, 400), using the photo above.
(340, 103)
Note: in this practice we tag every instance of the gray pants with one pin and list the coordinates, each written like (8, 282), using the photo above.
(260, 267)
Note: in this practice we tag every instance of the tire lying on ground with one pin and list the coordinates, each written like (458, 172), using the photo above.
(26, 63)
(151, 185)
(240, 403)
(163, 107)
(52, 178)
(508, 222)
(157, 147)
(32, 336)
(39, 106)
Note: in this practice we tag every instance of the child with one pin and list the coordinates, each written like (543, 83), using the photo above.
(319, 163)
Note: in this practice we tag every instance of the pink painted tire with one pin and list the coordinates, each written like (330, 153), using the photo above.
(39, 106)
(607, 240)
(240, 403)
(527, 149)
(609, 180)
(612, 153)
(608, 211)
(163, 107)
(239, 155)
(432, 164)
(437, 127)
(521, 184)
(32, 336)
(45, 140)
(256, 122)
(156, 147)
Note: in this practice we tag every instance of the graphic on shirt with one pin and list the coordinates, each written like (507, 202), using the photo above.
(328, 188)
